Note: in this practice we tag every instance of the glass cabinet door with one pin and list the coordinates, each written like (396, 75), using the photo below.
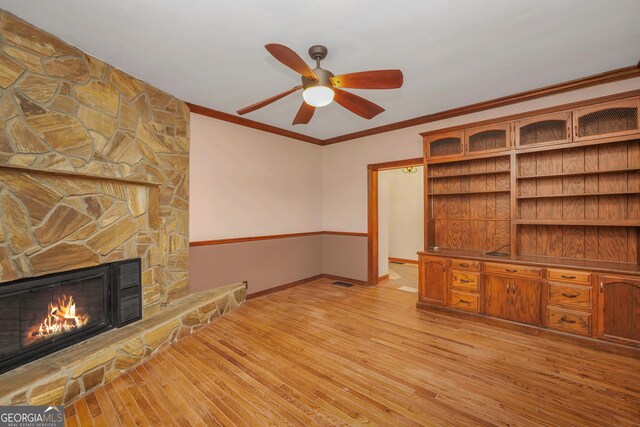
(444, 145)
(547, 129)
(486, 139)
(604, 120)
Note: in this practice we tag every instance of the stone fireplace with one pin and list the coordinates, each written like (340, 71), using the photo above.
(94, 169)
(93, 166)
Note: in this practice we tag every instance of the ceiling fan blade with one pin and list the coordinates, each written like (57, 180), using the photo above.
(267, 101)
(291, 59)
(378, 79)
(357, 104)
(304, 114)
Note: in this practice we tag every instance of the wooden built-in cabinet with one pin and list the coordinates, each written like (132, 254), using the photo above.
(577, 302)
(559, 188)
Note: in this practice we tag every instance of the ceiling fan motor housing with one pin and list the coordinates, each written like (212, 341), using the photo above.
(324, 77)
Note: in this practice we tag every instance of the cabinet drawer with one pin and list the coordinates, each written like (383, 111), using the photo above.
(463, 301)
(464, 264)
(513, 270)
(464, 280)
(577, 296)
(570, 276)
(569, 321)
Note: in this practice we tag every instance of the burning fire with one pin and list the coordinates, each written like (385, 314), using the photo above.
(61, 318)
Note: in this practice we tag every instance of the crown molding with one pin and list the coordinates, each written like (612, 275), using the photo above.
(597, 79)
(581, 83)
(210, 112)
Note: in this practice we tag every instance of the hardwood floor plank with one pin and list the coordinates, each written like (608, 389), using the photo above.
(106, 407)
(82, 413)
(318, 354)
(124, 418)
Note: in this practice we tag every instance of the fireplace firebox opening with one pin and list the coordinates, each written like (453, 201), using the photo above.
(41, 315)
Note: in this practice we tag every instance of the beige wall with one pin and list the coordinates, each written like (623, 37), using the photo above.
(264, 263)
(251, 183)
(400, 216)
(343, 255)
(406, 213)
(71, 129)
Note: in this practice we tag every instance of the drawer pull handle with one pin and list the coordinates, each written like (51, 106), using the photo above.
(465, 280)
(569, 295)
(565, 320)
(510, 270)
(464, 301)
(568, 277)
(464, 265)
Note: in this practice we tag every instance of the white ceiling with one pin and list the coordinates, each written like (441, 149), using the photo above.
(452, 52)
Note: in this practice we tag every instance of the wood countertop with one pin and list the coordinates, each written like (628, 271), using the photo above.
(540, 261)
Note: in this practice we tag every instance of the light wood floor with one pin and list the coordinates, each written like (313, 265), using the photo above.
(318, 354)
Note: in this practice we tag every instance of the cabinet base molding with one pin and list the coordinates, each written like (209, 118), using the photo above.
(582, 341)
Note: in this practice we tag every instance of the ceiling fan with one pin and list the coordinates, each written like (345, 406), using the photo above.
(321, 87)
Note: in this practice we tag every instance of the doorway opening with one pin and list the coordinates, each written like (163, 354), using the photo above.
(395, 221)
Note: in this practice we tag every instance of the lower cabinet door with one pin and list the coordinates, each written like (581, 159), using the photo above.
(619, 306)
(524, 298)
(512, 298)
(433, 280)
(496, 296)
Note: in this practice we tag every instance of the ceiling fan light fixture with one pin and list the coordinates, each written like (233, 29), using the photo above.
(320, 87)
(318, 96)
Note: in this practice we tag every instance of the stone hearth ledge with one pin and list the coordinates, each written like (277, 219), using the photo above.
(62, 377)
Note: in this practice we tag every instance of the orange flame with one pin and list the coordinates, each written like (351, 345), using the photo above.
(61, 318)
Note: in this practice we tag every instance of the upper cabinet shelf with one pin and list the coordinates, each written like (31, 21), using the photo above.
(606, 121)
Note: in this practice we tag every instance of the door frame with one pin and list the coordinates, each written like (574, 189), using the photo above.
(372, 211)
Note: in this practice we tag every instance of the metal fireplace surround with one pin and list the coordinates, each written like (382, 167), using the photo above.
(41, 315)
